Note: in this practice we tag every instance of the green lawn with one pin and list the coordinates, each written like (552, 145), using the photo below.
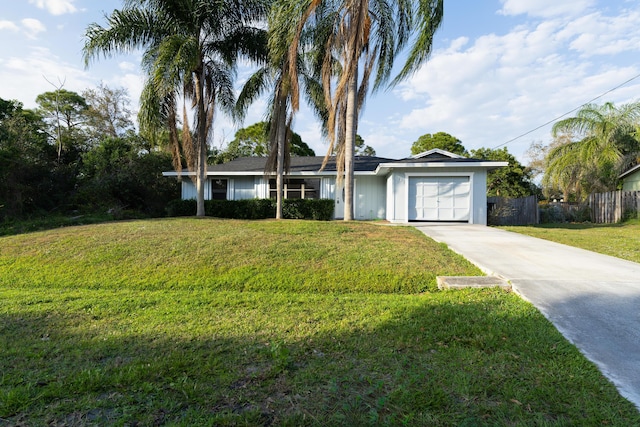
(208, 322)
(618, 240)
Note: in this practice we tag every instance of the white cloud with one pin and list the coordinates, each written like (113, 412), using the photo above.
(127, 66)
(496, 87)
(133, 83)
(28, 26)
(596, 34)
(310, 132)
(56, 7)
(544, 8)
(8, 25)
(32, 27)
(27, 76)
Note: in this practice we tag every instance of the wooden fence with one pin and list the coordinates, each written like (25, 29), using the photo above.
(503, 211)
(600, 208)
(614, 206)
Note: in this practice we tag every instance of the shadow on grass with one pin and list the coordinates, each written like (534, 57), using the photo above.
(460, 358)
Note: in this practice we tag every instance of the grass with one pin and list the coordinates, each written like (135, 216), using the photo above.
(229, 255)
(208, 322)
(618, 240)
(45, 222)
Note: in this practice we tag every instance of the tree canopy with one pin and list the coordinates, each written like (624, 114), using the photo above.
(362, 149)
(512, 181)
(190, 52)
(592, 149)
(64, 112)
(254, 141)
(25, 159)
(110, 172)
(109, 111)
(441, 140)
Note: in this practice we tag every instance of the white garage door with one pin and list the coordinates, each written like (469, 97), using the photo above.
(439, 198)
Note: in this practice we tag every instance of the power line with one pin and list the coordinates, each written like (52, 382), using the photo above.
(568, 112)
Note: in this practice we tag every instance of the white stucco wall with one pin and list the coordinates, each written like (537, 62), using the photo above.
(243, 188)
(370, 197)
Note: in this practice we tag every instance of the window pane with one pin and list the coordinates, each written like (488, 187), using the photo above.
(295, 188)
(294, 184)
(312, 183)
(311, 187)
(219, 189)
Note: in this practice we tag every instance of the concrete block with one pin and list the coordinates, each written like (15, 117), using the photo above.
(462, 282)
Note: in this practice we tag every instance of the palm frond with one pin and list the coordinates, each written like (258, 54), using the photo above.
(253, 88)
(429, 17)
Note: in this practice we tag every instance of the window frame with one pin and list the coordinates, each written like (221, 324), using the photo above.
(306, 189)
(219, 191)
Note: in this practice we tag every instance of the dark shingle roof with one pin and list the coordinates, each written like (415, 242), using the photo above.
(255, 165)
(298, 164)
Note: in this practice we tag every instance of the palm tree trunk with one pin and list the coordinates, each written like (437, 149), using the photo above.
(201, 173)
(351, 124)
(281, 141)
(201, 176)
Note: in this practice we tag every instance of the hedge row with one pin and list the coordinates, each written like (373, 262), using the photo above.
(318, 209)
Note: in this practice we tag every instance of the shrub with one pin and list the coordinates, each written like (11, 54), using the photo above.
(551, 214)
(558, 213)
(316, 209)
(240, 209)
(117, 175)
(630, 214)
(179, 207)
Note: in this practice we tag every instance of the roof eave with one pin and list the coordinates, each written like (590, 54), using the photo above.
(261, 173)
(384, 168)
(175, 173)
(630, 171)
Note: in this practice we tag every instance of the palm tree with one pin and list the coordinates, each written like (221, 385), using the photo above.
(358, 38)
(273, 74)
(276, 75)
(564, 171)
(605, 144)
(191, 49)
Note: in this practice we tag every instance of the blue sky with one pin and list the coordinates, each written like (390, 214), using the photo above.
(499, 69)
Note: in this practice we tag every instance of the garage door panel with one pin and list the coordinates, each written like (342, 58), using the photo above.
(439, 198)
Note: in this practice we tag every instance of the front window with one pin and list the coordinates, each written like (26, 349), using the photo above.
(218, 189)
(296, 188)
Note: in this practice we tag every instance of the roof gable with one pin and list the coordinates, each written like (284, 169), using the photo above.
(437, 154)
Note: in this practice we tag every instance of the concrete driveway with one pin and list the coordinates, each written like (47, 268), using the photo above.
(593, 299)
